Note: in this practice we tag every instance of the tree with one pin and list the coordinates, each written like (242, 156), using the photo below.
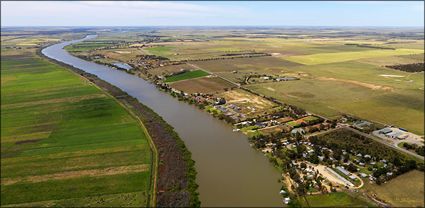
(352, 168)
(314, 159)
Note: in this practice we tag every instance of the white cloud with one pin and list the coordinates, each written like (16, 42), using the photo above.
(107, 12)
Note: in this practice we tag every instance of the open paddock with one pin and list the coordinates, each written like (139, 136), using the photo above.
(323, 58)
(165, 70)
(257, 64)
(186, 75)
(324, 98)
(406, 190)
(203, 85)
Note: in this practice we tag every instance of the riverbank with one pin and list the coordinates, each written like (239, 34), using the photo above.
(176, 185)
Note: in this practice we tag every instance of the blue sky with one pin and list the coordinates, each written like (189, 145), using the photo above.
(219, 13)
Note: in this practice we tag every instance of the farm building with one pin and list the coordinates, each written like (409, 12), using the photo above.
(361, 124)
(385, 131)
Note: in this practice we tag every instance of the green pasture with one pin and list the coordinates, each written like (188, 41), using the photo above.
(55, 123)
(186, 75)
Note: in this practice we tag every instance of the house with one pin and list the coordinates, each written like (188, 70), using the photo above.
(286, 200)
(361, 124)
(220, 101)
(352, 177)
(363, 175)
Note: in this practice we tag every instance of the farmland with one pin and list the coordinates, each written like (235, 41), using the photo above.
(296, 85)
(186, 75)
(64, 142)
(203, 85)
(325, 58)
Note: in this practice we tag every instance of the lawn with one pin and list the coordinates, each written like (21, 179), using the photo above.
(323, 58)
(406, 190)
(336, 199)
(186, 75)
(64, 142)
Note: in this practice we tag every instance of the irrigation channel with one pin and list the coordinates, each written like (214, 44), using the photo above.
(230, 172)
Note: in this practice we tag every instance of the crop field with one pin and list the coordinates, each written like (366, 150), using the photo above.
(66, 143)
(186, 75)
(406, 190)
(336, 199)
(203, 85)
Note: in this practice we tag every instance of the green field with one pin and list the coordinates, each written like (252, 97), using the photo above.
(164, 51)
(325, 58)
(336, 199)
(64, 142)
(187, 75)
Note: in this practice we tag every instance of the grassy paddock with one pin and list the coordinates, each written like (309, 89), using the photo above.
(406, 190)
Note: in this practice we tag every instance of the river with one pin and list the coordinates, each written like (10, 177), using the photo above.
(230, 172)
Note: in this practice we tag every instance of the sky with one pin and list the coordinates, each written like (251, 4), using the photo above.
(212, 13)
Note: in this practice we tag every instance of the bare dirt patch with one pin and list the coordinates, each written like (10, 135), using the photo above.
(238, 96)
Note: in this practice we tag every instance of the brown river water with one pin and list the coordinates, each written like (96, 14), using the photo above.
(230, 172)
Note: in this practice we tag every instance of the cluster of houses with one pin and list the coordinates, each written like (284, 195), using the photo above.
(286, 124)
